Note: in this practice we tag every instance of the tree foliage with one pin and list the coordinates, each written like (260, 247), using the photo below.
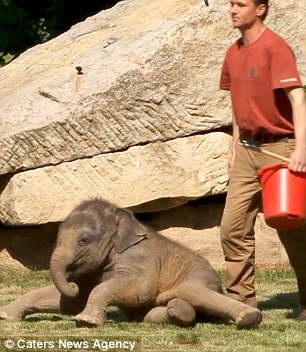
(25, 23)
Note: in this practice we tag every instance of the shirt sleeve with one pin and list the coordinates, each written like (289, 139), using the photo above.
(225, 80)
(284, 71)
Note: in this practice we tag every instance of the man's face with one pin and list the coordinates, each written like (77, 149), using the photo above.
(244, 13)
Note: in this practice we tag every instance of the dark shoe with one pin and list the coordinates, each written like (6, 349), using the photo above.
(302, 316)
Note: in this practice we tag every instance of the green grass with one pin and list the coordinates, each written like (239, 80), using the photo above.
(279, 331)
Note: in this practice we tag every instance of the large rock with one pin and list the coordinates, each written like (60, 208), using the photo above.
(150, 72)
(150, 69)
(156, 176)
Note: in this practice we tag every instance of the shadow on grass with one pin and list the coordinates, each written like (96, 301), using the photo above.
(286, 301)
(45, 317)
(114, 314)
(289, 301)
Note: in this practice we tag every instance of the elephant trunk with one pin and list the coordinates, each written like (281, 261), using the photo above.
(58, 266)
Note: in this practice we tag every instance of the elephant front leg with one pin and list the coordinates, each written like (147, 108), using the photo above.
(93, 315)
(45, 299)
(99, 299)
(114, 292)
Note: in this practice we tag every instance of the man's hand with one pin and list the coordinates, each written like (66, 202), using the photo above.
(231, 159)
(297, 99)
(298, 160)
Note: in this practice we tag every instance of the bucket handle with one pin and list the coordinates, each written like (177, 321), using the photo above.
(246, 144)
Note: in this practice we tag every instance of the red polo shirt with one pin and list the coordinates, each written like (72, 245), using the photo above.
(255, 75)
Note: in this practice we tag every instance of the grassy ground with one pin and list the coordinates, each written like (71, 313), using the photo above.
(278, 331)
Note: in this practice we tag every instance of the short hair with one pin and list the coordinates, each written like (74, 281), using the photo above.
(262, 2)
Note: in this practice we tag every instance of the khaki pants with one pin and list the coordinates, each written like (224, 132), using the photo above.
(237, 226)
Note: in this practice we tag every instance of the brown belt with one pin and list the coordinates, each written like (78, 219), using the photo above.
(270, 138)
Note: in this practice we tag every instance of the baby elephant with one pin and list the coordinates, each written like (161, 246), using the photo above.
(105, 257)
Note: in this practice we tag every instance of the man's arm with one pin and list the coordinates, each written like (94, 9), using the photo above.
(297, 99)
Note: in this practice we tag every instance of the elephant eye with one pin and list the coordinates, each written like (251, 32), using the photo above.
(84, 240)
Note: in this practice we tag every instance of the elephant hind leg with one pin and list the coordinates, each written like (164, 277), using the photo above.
(219, 305)
(42, 300)
(177, 312)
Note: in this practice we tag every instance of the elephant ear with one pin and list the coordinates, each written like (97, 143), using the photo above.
(129, 232)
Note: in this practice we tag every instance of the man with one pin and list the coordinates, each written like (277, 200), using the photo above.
(269, 110)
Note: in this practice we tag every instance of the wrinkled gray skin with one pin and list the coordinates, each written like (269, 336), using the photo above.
(105, 257)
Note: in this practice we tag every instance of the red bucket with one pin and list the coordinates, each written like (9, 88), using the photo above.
(284, 196)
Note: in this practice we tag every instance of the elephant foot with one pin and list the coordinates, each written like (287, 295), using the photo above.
(84, 320)
(181, 312)
(157, 315)
(177, 312)
(248, 318)
(10, 313)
